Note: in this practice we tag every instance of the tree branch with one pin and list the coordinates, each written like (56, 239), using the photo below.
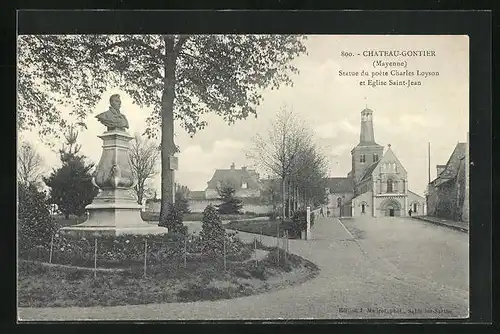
(180, 43)
(126, 43)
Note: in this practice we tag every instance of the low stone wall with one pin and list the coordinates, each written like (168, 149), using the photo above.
(196, 206)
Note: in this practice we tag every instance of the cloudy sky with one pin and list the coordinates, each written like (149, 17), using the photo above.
(407, 118)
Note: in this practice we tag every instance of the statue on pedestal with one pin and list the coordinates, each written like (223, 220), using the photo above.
(112, 118)
(114, 211)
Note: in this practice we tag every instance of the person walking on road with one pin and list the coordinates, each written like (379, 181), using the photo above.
(321, 212)
(409, 212)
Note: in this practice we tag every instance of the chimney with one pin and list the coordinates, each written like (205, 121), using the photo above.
(440, 169)
(232, 165)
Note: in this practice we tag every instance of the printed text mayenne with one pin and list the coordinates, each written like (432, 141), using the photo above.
(390, 72)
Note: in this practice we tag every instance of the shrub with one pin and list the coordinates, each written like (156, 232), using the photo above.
(230, 204)
(182, 202)
(298, 223)
(71, 187)
(174, 218)
(212, 233)
(35, 225)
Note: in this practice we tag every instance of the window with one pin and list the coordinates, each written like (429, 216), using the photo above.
(375, 157)
(389, 186)
(244, 185)
(339, 202)
(414, 207)
(362, 158)
(363, 208)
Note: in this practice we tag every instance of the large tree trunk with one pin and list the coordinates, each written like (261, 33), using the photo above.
(167, 128)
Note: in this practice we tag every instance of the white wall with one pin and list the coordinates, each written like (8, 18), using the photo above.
(200, 205)
(414, 198)
(357, 202)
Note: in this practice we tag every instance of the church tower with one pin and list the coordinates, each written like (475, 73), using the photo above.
(367, 151)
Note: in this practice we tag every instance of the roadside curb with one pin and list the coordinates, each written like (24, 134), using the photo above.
(454, 227)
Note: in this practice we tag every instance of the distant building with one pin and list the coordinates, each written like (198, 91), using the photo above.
(340, 191)
(377, 184)
(448, 193)
(245, 181)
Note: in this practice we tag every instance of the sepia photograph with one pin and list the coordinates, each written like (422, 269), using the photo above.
(242, 177)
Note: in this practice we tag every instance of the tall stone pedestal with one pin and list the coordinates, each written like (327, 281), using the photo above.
(114, 211)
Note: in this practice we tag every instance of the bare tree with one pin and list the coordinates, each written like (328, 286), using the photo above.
(29, 164)
(144, 158)
(278, 151)
(309, 175)
(289, 153)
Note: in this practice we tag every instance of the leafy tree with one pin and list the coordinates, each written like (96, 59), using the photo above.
(230, 204)
(212, 232)
(35, 225)
(29, 164)
(181, 76)
(144, 155)
(71, 185)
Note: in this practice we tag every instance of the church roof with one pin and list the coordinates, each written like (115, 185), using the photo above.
(368, 171)
(340, 184)
(367, 110)
(452, 166)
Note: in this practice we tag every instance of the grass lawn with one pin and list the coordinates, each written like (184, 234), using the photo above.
(265, 227)
(44, 286)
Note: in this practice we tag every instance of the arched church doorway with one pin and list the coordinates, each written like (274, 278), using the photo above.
(391, 208)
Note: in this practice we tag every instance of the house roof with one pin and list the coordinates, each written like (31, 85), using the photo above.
(368, 171)
(235, 177)
(452, 166)
(196, 195)
(340, 184)
(415, 194)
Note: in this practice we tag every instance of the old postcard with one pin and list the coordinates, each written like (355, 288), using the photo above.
(242, 177)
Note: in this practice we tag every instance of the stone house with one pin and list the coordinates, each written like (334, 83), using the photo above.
(448, 192)
(245, 181)
(340, 192)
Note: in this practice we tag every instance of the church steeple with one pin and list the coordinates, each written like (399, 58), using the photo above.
(367, 151)
(366, 136)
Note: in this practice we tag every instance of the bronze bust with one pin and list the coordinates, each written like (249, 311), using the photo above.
(112, 118)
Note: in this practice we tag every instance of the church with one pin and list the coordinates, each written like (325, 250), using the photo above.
(377, 184)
